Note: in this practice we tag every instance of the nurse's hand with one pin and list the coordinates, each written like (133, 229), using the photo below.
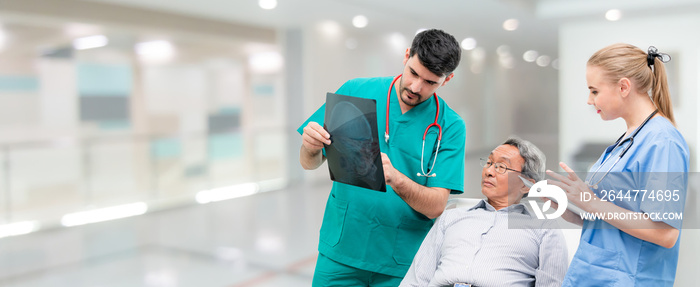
(656, 232)
(575, 188)
(314, 136)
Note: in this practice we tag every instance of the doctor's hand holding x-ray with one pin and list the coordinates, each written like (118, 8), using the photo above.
(313, 139)
(638, 246)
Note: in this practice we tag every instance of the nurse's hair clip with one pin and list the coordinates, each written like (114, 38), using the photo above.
(654, 53)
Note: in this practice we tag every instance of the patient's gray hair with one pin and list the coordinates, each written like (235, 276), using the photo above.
(535, 160)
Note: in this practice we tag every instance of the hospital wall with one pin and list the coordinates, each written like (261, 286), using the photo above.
(580, 125)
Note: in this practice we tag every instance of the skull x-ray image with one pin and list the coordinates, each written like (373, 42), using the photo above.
(353, 156)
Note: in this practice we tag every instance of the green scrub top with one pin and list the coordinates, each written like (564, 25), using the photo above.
(378, 231)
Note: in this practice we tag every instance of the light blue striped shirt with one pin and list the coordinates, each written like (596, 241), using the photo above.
(476, 246)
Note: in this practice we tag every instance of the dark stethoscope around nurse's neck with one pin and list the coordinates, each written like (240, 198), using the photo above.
(434, 124)
(624, 151)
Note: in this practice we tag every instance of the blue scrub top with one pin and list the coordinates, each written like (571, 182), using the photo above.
(607, 256)
(378, 231)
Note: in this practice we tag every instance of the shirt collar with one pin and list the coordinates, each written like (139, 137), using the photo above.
(515, 208)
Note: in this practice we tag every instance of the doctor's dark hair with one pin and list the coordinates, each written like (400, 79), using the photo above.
(535, 160)
(647, 73)
(438, 51)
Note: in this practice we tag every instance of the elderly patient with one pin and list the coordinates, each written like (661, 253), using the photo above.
(476, 246)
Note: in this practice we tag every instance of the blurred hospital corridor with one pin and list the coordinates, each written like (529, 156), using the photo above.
(154, 142)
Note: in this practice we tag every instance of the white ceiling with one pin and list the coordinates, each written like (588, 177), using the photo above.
(480, 19)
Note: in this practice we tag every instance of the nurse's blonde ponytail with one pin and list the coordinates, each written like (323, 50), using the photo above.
(659, 92)
(644, 69)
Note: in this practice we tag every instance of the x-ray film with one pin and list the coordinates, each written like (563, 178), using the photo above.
(353, 156)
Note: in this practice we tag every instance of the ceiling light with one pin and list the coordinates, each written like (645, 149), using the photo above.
(267, 4)
(272, 184)
(227, 192)
(266, 62)
(360, 21)
(555, 64)
(398, 41)
(613, 15)
(90, 42)
(506, 62)
(468, 44)
(510, 24)
(18, 228)
(155, 50)
(530, 56)
(269, 243)
(3, 38)
(104, 214)
(478, 54)
(330, 29)
(420, 30)
(503, 50)
(543, 60)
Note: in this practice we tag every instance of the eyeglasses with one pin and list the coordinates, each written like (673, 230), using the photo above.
(500, 167)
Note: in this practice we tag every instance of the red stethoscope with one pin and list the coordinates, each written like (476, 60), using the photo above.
(434, 124)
